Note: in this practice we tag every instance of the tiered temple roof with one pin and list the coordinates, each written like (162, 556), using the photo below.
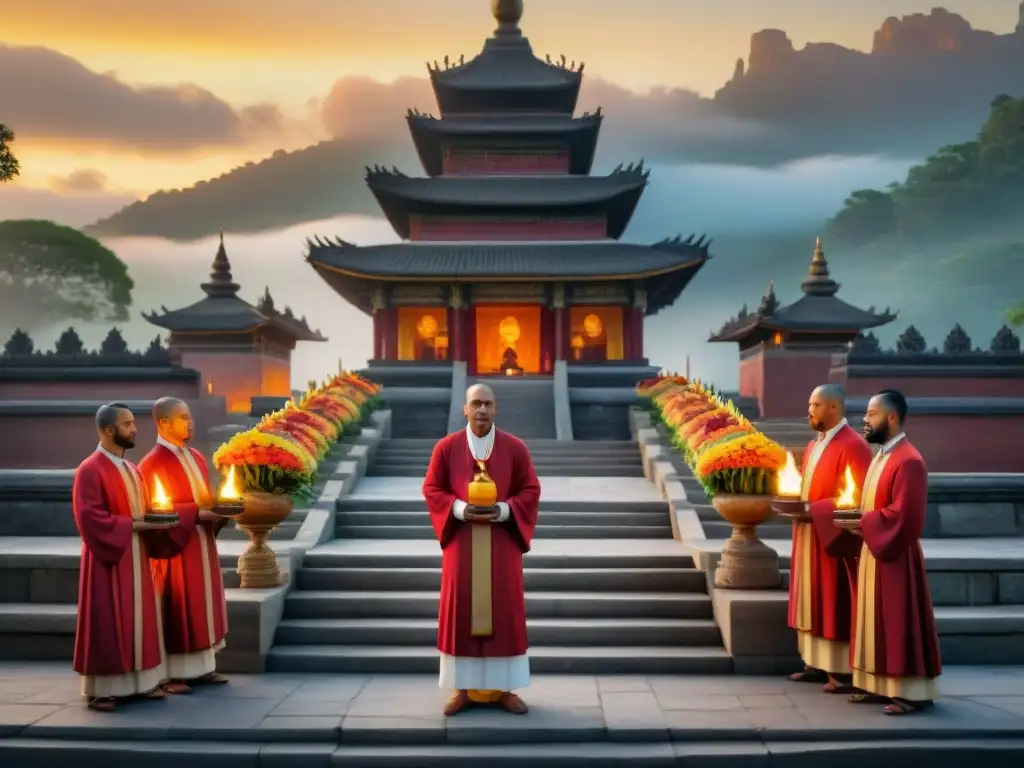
(578, 134)
(506, 76)
(615, 195)
(222, 311)
(665, 268)
(818, 311)
(508, 100)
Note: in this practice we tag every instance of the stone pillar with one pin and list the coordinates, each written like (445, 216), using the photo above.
(456, 330)
(561, 321)
(636, 324)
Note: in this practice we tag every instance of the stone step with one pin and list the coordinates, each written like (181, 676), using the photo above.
(636, 660)
(543, 632)
(319, 558)
(599, 519)
(536, 444)
(543, 531)
(722, 530)
(558, 579)
(421, 604)
(406, 457)
(358, 504)
(567, 450)
(582, 469)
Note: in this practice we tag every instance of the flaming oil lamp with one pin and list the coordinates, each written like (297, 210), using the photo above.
(787, 501)
(848, 513)
(161, 511)
(229, 498)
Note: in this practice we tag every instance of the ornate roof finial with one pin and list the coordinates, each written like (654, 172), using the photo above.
(507, 13)
(266, 305)
(818, 282)
(221, 285)
(769, 302)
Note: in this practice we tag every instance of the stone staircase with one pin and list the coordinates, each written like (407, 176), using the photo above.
(409, 457)
(525, 406)
(608, 590)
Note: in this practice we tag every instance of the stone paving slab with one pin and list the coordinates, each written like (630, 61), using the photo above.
(41, 701)
(608, 489)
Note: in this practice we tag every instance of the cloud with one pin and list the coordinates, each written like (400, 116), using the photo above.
(48, 96)
(81, 180)
(73, 210)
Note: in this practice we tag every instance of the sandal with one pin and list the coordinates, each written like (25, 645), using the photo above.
(155, 695)
(105, 704)
(837, 687)
(210, 678)
(868, 698)
(809, 675)
(176, 688)
(907, 707)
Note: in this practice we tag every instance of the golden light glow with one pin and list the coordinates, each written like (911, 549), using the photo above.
(790, 483)
(209, 386)
(161, 501)
(509, 331)
(427, 327)
(491, 341)
(777, 339)
(229, 490)
(848, 497)
(600, 329)
(576, 342)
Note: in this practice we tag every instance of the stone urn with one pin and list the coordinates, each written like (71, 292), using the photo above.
(747, 562)
(261, 514)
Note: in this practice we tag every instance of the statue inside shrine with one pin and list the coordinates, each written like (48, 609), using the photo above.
(510, 363)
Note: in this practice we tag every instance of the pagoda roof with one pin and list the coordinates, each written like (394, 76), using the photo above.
(616, 195)
(665, 268)
(506, 76)
(431, 134)
(222, 311)
(819, 310)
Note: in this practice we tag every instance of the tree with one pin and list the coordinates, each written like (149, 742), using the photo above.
(1016, 316)
(866, 344)
(867, 215)
(50, 273)
(911, 342)
(957, 342)
(114, 344)
(69, 343)
(19, 345)
(9, 167)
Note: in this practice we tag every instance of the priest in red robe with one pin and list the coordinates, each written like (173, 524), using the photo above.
(895, 653)
(481, 632)
(191, 587)
(824, 559)
(118, 635)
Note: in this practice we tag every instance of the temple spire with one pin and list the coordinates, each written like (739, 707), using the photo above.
(222, 284)
(507, 13)
(818, 282)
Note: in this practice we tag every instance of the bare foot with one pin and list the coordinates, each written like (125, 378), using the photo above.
(458, 702)
(513, 704)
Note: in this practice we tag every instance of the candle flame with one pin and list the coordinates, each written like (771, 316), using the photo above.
(790, 482)
(848, 496)
(229, 490)
(160, 498)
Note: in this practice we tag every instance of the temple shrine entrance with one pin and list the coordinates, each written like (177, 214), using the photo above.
(596, 334)
(508, 340)
(422, 334)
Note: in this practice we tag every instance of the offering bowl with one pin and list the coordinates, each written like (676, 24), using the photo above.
(792, 507)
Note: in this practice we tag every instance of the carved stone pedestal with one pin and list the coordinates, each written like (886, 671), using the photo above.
(747, 562)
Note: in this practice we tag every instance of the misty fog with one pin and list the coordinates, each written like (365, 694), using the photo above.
(717, 200)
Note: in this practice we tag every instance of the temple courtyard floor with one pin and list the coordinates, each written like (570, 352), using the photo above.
(395, 720)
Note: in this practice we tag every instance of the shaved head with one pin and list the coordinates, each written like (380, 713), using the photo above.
(173, 420)
(166, 407)
(478, 391)
(826, 407)
(479, 409)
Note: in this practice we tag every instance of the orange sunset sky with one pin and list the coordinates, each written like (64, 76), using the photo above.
(267, 65)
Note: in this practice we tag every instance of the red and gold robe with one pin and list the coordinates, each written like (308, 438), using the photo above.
(496, 661)
(895, 649)
(118, 636)
(195, 612)
(823, 562)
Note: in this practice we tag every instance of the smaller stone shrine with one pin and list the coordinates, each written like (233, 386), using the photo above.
(241, 351)
(787, 351)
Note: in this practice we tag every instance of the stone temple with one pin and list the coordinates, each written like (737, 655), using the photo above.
(511, 271)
